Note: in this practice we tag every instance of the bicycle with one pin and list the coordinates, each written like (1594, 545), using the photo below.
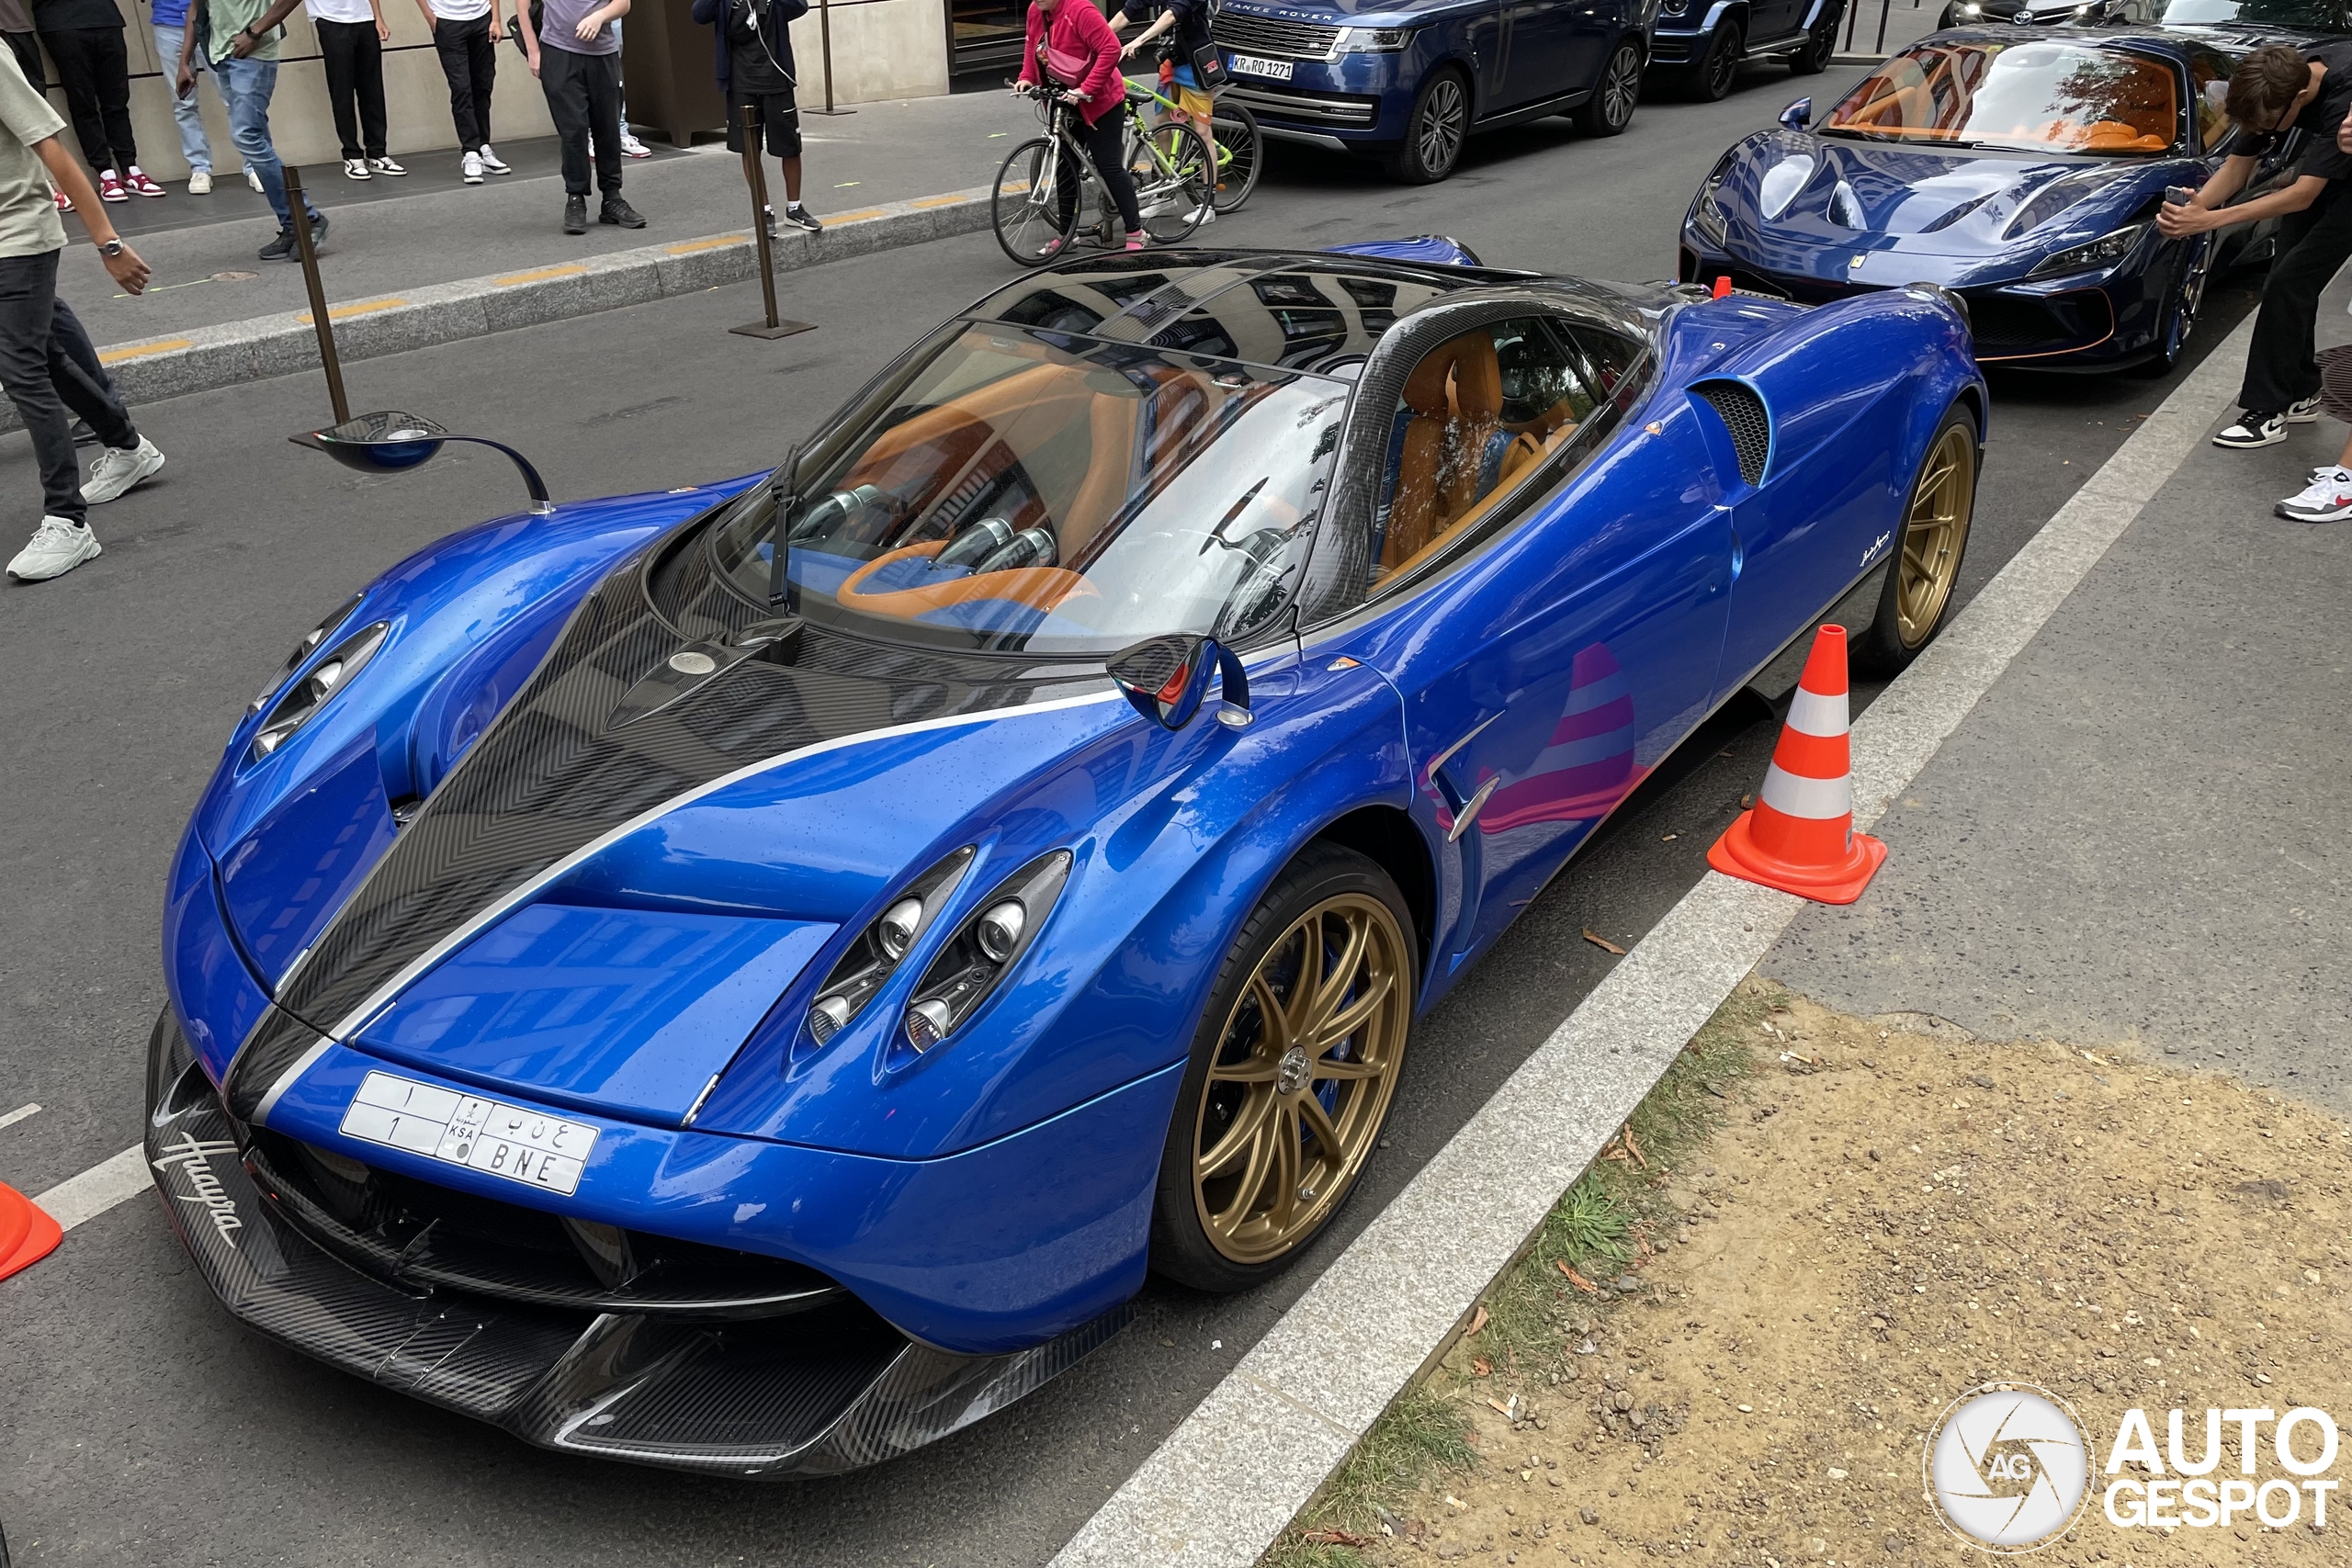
(1043, 182)
(1240, 147)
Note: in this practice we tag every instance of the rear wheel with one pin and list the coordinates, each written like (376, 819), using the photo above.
(1293, 1070)
(1172, 168)
(1933, 539)
(1711, 79)
(1240, 152)
(1435, 131)
(1022, 206)
(1812, 57)
(1611, 108)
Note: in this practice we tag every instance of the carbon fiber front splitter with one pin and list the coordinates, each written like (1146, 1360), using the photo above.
(814, 1394)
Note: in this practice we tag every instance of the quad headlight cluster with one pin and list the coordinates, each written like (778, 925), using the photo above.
(2103, 252)
(300, 703)
(873, 958)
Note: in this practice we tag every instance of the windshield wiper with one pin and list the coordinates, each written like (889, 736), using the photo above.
(786, 481)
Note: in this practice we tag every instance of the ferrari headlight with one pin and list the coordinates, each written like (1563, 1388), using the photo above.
(2103, 252)
(875, 954)
(301, 702)
(1705, 215)
(984, 949)
(1374, 41)
(302, 650)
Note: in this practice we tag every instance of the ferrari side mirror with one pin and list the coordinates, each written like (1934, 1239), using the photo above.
(1165, 678)
(388, 441)
(1798, 115)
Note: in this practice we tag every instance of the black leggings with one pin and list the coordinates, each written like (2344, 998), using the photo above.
(1102, 142)
(95, 71)
(354, 57)
(2280, 368)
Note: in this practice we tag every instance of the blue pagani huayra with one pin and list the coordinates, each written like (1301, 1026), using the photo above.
(750, 980)
(2020, 168)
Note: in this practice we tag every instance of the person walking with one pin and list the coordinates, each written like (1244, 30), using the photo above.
(577, 60)
(2273, 92)
(169, 20)
(465, 35)
(352, 35)
(46, 360)
(1067, 44)
(242, 38)
(84, 38)
(756, 73)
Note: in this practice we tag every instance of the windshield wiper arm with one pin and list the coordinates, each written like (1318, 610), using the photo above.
(785, 480)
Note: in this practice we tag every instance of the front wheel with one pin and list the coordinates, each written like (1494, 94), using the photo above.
(1240, 152)
(1434, 132)
(1174, 171)
(1711, 79)
(1032, 226)
(2180, 313)
(1933, 539)
(1812, 57)
(1611, 108)
(1293, 1069)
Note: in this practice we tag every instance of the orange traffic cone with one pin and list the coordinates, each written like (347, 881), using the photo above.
(26, 1236)
(1800, 837)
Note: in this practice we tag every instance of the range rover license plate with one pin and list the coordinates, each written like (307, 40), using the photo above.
(1257, 66)
(529, 1146)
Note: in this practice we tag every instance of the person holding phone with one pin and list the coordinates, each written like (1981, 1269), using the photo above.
(2275, 91)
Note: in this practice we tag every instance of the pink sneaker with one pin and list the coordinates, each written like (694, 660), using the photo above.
(64, 202)
(140, 183)
(1138, 240)
(110, 187)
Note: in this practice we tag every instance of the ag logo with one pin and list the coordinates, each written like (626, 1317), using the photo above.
(2007, 1467)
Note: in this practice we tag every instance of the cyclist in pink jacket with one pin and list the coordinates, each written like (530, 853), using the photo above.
(1070, 46)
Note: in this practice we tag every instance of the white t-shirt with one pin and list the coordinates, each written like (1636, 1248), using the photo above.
(339, 10)
(460, 10)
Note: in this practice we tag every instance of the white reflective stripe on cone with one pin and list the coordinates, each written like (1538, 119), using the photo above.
(1817, 800)
(1814, 713)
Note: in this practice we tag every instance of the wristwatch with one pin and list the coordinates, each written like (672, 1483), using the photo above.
(110, 247)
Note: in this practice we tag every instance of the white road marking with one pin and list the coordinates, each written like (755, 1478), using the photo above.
(1234, 1472)
(18, 1114)
(97, 1190)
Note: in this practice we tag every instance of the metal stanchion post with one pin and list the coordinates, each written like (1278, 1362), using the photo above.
(1853, 18)
(756, 177)
(1883, 7)
(825, 46)
(310, 254)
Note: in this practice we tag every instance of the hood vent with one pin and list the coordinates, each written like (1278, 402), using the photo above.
(1743, 414)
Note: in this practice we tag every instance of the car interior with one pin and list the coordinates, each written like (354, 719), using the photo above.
(2072, 97)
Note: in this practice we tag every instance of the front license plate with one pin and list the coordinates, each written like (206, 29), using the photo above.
(1257, 66)
(528, 1147)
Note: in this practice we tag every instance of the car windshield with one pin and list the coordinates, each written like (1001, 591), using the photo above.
(2312, 15)
(1045, 493)
(2032, 96)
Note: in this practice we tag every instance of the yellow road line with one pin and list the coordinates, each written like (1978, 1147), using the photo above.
(345, 312)
(141, 350)
(861, 215)
(716, 241)
(568, 269)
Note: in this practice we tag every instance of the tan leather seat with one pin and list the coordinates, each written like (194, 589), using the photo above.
(1456, 398)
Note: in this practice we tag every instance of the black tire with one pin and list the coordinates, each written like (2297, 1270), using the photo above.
(1435, 130)
(1241, 154)
(1812, 57)
(1181, 1248)
(2181, 305)
(1611, 109)
(1905, 624)
(1710, 81)
(1023, 217)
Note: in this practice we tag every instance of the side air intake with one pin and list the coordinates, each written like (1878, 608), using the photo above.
(1743, 414)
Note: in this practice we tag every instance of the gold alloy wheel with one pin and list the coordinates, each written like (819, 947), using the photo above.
(1301, 1079)
(1934, 534)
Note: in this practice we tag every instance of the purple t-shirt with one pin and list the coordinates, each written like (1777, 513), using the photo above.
(558, 24)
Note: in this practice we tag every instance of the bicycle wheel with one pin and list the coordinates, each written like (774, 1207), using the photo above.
(1171, 168)
(1029, 228)
(1240, 150)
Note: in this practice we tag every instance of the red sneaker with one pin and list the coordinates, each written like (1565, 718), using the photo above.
(64, 202)
(140, 183)
(110, 187)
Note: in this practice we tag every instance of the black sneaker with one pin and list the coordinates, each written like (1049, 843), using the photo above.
(575, 215)
(2254, 428)
(801, 218)
(618, 210)
(281, 248)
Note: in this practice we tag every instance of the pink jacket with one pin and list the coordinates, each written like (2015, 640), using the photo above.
(1078, 28)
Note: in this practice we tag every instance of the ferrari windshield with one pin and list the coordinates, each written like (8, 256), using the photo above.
(2032, 96)
(1051, 494)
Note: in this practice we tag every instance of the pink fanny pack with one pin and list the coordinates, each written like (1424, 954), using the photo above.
(1068, 69)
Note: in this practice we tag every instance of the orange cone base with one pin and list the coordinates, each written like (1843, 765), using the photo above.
(26, 1235)
(1735, 854)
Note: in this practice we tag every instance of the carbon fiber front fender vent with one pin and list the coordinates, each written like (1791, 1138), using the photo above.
(1744, 417)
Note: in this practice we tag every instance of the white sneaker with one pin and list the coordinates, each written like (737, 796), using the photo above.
(355, 169)
(57, 548)
(252, 179)
(471, 164)
(115, 470)
(2252, 429)
(2327, 499)
(385, 166)
(491, 161)
(200, 182)
(2305, 412)
(632, 148)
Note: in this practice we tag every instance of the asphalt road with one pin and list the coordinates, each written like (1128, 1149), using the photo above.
(137, 1424)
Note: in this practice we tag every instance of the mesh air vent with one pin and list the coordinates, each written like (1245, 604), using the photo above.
(1743, 414)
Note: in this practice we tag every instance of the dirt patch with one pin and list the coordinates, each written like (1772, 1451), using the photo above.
(1885, 1216)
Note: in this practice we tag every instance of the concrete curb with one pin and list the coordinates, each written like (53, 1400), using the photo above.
(1237, 1470)
(205, 359)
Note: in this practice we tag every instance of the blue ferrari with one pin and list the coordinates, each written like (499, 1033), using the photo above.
(2021, 169)
(750, 978)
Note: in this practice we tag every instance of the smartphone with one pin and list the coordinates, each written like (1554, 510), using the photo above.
(2178, 196)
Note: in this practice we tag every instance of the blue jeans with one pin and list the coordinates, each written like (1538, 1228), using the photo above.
(194, 145)
(245, 87)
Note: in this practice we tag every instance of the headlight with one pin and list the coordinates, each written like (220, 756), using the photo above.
(1967, 10)
(2103, 252)
(1705, 216)
(302, 702)
(303, 650)
(984, 949)
(1373, 40)
(879, 948)
(1674, 7)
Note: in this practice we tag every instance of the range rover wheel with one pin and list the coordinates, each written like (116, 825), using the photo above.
(1435, 130)
(1930, 543)
(1611, 108)
(1710, 81)
(1293, 1069)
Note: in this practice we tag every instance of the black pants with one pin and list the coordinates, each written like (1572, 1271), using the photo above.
(96, 74)
(27, 49)
(585, 99)
(469, 60)
(1102, 142)
(2281, 368)
(47, 365)
(355, 62)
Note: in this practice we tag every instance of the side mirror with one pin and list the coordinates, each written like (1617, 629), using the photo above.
(1167, 677)
(1798, 115)
(388, 442)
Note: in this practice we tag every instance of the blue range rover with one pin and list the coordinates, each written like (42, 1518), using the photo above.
(1410, 83)
(1704, 41)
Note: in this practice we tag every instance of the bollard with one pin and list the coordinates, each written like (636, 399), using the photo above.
(825, 46)
(310, 254)
(756, 177)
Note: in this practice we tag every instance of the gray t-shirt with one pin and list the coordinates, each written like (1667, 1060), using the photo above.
(28, 221)
(558, 21)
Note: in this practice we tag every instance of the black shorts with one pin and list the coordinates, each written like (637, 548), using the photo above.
(779, 117)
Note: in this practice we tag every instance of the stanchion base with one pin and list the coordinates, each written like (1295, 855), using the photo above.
(782, 329)
(829, 114)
